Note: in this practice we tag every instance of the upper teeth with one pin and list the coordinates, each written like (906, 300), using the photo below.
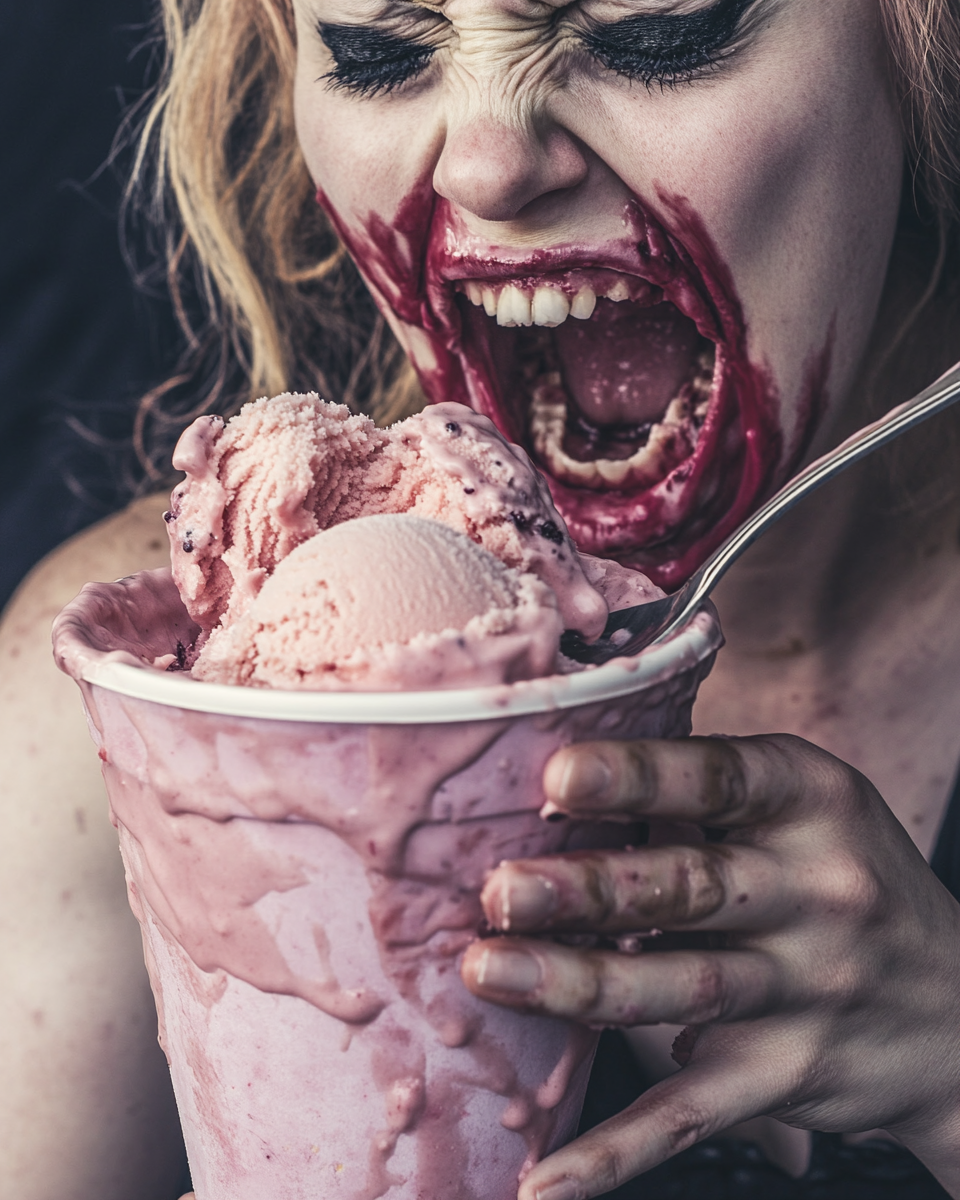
(513, 305)
(549, 307)
(584, 302)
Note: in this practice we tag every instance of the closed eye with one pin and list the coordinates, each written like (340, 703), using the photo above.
(668, 48)
(368, 60)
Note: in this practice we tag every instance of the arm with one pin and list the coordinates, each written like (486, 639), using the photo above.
(827, 993)
(86, 1110)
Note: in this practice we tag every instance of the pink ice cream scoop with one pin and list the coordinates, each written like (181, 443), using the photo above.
(305, 853)
(388, 602)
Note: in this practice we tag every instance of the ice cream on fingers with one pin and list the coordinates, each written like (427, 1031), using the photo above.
(306, 852)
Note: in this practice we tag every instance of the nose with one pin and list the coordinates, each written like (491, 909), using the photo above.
(494, 170)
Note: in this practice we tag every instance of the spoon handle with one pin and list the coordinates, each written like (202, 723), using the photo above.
(940, 395)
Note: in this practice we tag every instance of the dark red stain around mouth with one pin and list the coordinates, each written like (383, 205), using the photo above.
(668, 529)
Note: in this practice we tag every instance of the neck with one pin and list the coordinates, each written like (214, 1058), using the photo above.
(834, 567)
(875, 534)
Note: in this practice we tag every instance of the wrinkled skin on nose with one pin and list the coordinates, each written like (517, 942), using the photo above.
(505, 67)
(664, 292)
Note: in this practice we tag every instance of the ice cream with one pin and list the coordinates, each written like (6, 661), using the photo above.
(391, 601)
(306, 886)
(284, 469)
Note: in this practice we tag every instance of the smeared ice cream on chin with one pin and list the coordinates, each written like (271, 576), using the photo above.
(388, 602)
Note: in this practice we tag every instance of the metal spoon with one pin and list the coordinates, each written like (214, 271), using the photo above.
(631, 629)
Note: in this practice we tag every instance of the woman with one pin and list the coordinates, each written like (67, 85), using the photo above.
(674, 248)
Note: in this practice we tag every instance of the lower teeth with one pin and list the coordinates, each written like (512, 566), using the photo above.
(671, 439)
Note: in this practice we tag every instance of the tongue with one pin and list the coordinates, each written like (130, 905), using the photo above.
(625, 365)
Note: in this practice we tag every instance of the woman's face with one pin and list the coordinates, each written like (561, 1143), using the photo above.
(647, 237)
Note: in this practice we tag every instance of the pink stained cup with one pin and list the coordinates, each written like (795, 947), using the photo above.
(306, 870)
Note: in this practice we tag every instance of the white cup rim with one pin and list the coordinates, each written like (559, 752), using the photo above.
(620, 677)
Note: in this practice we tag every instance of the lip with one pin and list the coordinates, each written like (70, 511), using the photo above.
(658, 275)
(418, 268)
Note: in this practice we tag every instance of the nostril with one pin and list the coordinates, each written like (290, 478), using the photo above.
(494, 171)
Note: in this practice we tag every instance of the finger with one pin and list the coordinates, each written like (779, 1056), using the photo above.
(721, 887)
(598, 987)
(724, 782)
(699, 1101)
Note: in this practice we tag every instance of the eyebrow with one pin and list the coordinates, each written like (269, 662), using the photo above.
(695, 31)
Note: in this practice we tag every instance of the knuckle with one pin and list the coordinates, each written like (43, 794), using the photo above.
(819, 775)
(698, 886)
(607, 1165)
(638, 772)
(837, 784)
(583, 984)
(688, 886)
(724, 779)
(708, 993)
(597, 888)
(853, 890)
(685, 1124)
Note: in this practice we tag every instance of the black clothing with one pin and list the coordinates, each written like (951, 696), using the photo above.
(727, 1169)
(78, 343)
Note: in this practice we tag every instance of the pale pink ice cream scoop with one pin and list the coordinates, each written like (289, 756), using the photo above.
(388, 602)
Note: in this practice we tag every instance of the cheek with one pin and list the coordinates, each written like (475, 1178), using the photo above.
(794, 168)
(365, 156)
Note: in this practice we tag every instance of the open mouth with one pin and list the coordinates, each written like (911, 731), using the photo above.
(608, 391)
(624, 374)
(621, 369)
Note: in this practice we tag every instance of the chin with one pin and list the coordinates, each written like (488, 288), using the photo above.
(621, 369)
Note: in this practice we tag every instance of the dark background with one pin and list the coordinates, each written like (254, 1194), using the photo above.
(79, 343)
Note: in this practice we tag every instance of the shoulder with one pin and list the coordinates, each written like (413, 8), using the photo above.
(42, 731)
(76, 1026)
(50, 769)
(132, 540)
(52, 786)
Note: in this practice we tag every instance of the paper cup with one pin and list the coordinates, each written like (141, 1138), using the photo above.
(306, 870)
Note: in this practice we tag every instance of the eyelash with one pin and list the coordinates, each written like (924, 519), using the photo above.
(369, 63)
(636, 49)
(644, 48)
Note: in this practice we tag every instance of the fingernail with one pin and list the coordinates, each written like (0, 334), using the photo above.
(526, 900)
(562, 1189)
(508, 971)
(550, 812)
(584, 776)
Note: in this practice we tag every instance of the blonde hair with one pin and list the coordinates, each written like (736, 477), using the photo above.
(265, 295)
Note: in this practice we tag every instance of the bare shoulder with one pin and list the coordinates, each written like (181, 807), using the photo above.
(77, 1028)
(132, 540)
(42, 732)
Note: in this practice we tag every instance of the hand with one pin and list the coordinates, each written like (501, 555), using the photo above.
(830, 997)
